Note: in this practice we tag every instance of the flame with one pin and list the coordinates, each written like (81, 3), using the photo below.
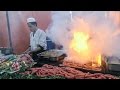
(82, 45)
(81, 50)
(79, 42)
(93, 65)
(99, 59)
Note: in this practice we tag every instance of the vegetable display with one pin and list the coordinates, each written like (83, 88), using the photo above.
(67, 72)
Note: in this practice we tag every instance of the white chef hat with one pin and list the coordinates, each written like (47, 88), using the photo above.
(31, 20)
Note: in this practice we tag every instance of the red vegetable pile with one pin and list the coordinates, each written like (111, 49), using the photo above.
(67, 72)
(26, 58)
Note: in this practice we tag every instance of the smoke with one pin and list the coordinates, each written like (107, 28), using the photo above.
(115, 17)
(102, 27)
(59, 27)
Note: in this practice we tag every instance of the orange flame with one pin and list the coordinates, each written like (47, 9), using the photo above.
(99, 60)
(80, 48)
(79, 43)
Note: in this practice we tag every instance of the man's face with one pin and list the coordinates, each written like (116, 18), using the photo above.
(32, 27)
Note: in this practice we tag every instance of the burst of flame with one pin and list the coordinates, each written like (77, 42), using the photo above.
(79, 42)
(80, 48)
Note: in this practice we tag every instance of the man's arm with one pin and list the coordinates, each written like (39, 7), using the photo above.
(37, 49)
(28, 50)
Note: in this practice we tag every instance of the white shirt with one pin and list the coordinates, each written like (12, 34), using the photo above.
(39, 38)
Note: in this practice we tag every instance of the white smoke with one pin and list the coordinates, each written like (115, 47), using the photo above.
(59, 27)
(103, 26)
(115, 17)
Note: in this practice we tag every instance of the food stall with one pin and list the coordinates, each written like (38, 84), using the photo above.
(54, 63)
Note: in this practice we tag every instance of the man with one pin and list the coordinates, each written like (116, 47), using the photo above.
(38, 42)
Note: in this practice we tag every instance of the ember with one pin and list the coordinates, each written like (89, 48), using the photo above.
(87, 66)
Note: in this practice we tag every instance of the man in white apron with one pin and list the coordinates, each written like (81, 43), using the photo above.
(38, 42)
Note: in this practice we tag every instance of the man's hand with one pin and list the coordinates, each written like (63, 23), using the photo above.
(27, 51)
(30, 52)
(37, 49)
(24, 52)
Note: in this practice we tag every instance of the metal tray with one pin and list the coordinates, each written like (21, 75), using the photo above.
(52, 53)
(114, 67)
(113, 64)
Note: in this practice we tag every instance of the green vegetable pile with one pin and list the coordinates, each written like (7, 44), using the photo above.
(30, 76)
(8, 69)
(12, 64)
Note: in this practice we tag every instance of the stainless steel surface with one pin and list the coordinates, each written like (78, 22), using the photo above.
(114, 67)
(52, 53)
(113, 63)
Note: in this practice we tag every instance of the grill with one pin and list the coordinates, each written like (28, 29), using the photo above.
(110, 65)
(53, 57)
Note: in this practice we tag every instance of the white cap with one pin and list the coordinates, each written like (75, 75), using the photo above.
(31, 20)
